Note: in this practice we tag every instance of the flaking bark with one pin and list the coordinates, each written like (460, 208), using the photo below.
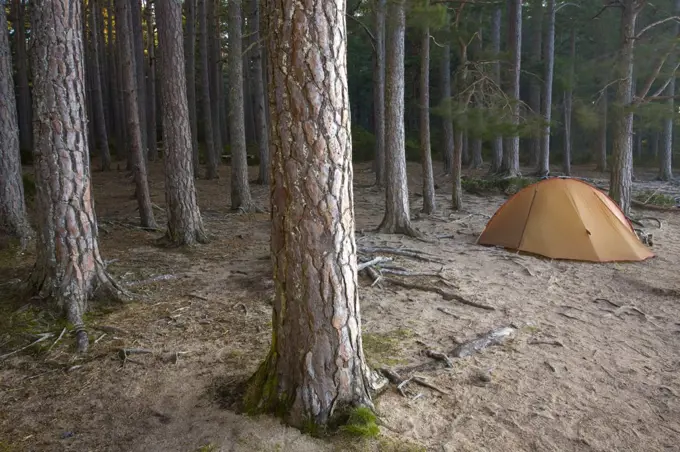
(185, 226)
(190, 59)
(68, 269)
(316, 366)
(13, 219)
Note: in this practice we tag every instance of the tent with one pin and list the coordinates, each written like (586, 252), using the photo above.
(564, 218)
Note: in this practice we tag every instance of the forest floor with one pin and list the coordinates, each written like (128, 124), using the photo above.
(579, 375)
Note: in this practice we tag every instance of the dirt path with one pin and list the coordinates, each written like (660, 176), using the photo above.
(581, 374)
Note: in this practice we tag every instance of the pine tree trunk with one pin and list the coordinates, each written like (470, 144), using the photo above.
(447, 121)
(568, 101)
(132, 113)
(622, 153)
(116, 94)
(535, 78)
(656, 141)
(240, 192)
(151, 87)
(24, 109)
(316, 368)
(666, 160)
(68, 268)
(204, 82)
(602, 134)
(185, 226)
(466, 149)
(13, 219)
(511, 156)
(496, 143)
(105, 75)
(425, 150)
(397, 216)
(190, 57)
(97, 100)
(457, 193)
(379, 91)
(257, 77)
(215, 76)
(546, 104)
(477, 160)
(138, 61)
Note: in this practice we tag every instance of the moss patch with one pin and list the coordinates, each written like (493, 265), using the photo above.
(362, 422)
(384, 349)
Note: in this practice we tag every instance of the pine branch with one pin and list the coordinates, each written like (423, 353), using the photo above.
(658, 22)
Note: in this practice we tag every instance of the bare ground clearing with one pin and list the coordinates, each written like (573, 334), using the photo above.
(580, 375)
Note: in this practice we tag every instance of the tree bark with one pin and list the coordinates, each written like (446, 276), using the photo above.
(425, 150)
(622, 145)
(240, 192)
(97, 100)
(132, 113)
(151, 86)
(666, 160)
(104, 73)
(68, 268)
(568, 101)
(602, 134)
(190, 55)
(379, 90)
(511, 157)
(215, 76)
(140, 80)
(24, 109)
(116, 87)
(457, 193)
(13, 219)
(257, 76)
(185, 226)
(546, 101)
(397, 216)
(496, 143)
(447, 121)
(535, 78)
(477, 160)
(316, 367)
(204, 81)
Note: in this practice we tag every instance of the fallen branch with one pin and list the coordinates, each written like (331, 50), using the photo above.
(41, 337)
(58, 339)
(413, 254)
(493, 337)
(372, 262)
(424, 383)
(439, 356)
(389, 271)
(446, 295)
(641, 205)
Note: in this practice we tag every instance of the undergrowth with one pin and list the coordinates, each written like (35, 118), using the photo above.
(654, 198)
(495, 185)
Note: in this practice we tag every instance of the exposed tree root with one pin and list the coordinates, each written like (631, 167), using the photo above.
(374, 261)
(413, 254)
(446, 295)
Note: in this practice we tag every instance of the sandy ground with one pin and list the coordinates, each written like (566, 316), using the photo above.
(580, 374)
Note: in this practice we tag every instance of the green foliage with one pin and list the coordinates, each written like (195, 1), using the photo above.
(207, 448)
(362, 422)
(654, 198)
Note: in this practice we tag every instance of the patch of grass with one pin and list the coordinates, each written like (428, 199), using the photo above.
(207, 448)
(384, 349)
(656, 199)
(362, 422)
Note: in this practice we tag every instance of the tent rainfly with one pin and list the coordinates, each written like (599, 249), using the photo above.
(565, 219)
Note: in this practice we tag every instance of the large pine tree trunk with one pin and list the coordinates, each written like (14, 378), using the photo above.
(151, 87)
(568, 101)
(666, 160)
(105, 76)
(447, 121)
(397, 216)
(185, 226)
(457, 193)
(116, 93)
(132, 114)
(316, 368)
(204, 82)
(24, 108)
(138, 60)
(97, 98)
(215, 76)
(379, 91)
(190, 58)
(535, 78)
(622, 144)
(425, 150)
(240, 192)
(546, 100)
(511, 155)
(68, 268)
(260, 112)
(13, 220)
(496, 143)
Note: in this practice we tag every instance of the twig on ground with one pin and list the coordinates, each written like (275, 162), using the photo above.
(414, 254)
(41, 337)
(616, 305)
(537, 342)
(550, 366)
(100, 338)
(372, 262)
(447, 312)
(389, 271)
(439, 356)
(446, 295)
(58, 339)
(110, 329)
(400, 386)
(245, 309)
(424, 383)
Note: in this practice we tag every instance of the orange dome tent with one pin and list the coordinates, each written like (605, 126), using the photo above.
(565, 219)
